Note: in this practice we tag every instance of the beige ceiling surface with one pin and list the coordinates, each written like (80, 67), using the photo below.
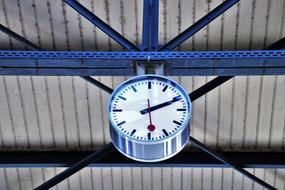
(66, 112)
(142, 179)
(63, 113)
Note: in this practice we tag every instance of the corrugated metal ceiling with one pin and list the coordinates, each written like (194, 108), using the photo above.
(246, 113)
(142, 178)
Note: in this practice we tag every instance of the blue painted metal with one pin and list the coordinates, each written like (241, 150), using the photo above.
(154, 25)
(223, 63)
(65, 67)
(115, 159)
(151, 56)
(198, 25)
(63, 64)
(34, 46)
(102, 25)
(280, 44)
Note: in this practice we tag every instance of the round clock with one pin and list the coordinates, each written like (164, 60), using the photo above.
(149, 118)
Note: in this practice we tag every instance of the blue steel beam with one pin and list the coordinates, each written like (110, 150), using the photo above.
(198, 25)
(214, 57)
(65, 67)
(102, 25)
(222, 63)
(280, 44)
(188, 159)
(34, 46)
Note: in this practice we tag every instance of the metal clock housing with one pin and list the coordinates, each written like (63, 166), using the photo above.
(149, 118)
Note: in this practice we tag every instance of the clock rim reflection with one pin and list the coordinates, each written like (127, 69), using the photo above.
(133, 80)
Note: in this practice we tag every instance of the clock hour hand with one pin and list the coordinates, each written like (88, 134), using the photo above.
(175, 99)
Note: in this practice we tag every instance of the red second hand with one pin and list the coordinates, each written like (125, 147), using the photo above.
(150, 127)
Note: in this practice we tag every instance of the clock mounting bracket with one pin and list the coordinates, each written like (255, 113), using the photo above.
(150, 67)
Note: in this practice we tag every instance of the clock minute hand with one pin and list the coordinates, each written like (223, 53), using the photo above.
(175, 99)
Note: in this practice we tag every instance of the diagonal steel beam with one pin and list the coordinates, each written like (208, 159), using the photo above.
(89, 159)
(280, 44)
(34, 46)
(98, 84)
(19, 38)
(208, 87)
(198, 25)
(229, 162)
(76, 167)
(102, 25)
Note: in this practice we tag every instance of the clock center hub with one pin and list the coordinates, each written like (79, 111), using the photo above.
(151, 127)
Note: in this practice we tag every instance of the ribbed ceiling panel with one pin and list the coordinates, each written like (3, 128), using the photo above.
(142, 178)
(56, 113)
(251, 24)
(66, 112)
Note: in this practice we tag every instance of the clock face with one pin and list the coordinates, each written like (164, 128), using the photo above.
(149, 108)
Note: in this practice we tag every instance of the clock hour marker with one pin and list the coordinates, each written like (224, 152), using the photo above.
(176, 98)
(133, 132)
(149, 85)
(121, 123)
(123, 98)
(181, 109)
(165, 132)
(148, 136)
(134, 89)
(164, 89)
(176, 122)
(117, 110)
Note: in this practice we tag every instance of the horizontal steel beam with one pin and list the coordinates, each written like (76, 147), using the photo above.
(116, 159)
(152, 55)
(82, 63)
(65, 67)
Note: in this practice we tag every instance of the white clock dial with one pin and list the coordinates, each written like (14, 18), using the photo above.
(129, 110)
(149, 109)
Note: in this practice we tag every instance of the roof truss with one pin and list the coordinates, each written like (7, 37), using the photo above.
(223, 64)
